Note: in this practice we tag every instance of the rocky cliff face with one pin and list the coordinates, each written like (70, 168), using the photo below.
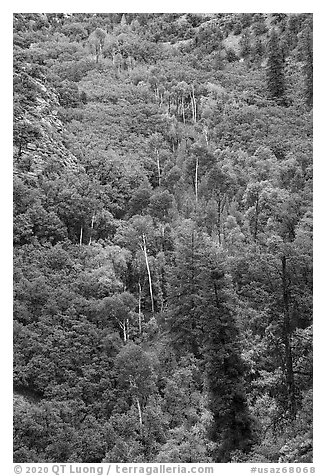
(39, 133)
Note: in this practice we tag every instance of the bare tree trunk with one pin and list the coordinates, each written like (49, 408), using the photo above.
(287, 344)
(183, 109)
(206, 134)
(148, 272)
(194, 106)
(196, 180)
(92, 227)
(158, 167)
(81, 236)
(256, 218)
(139, 309)
(219, 219)
(139, 412)
(123, 327)
(140, 415)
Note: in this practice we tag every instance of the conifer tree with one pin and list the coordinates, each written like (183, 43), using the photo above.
(231, 429)
(275, 68)
(202, 321)
(183, 287)
(308, 64)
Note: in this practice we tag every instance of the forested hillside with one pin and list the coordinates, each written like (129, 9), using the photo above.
(163, 237)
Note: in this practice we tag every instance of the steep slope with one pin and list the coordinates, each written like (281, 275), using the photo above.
(163, 232)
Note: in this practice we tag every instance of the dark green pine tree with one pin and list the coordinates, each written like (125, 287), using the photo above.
(231, 429)
(183, 287)
(202, 321)
(308, 64)
(275, 68)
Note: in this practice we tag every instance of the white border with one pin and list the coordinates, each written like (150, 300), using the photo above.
(6, 186)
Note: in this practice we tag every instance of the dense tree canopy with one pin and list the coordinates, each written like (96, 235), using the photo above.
(163, 237)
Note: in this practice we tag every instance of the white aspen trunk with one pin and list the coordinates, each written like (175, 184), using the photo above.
(222, 205)
(162, 230)
(92, 227)
(192, 108)
(140, 415)
(194, 105)
(123, 327)
(219, 219)
(161, 294)
(139, 412)
(162, 290)
(81, 236)
(256, 218)
(196, 180)
(139, 309)
(158, 167)
(148, 272)
(206, 135)
(183, 109)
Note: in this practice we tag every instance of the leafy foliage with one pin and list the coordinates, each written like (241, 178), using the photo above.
(163, 237)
